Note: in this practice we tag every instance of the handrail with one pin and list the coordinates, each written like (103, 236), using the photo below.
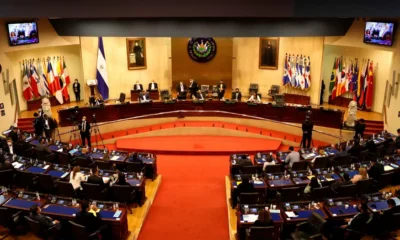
(206, 111)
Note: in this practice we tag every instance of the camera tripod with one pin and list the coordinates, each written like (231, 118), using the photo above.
(95, 128)
(73, 132)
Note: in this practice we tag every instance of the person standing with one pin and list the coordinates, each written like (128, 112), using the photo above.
(321, 100)
(84, 128)
(38, 125)
(221, 89)
(307, 128)
(77, 90)
(181, 90)
(193, 88)
(49, 125)
(359, 128)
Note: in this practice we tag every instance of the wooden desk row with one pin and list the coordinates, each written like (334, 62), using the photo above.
(292, 114)
(62, 209)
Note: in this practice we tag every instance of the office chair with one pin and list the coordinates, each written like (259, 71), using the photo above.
(251, 198)
(39, 230)
(273, 168)
(64, 189)
(125, 195)
(273, 91)
(46, 183)
(341, 160)
(312, 229)
(364, 186)
(253, 88)
(79, 232)
(250, 169)
(122, 97)
(385, 180)
(165, 94)
(7, 178)
(322, 162)
(298, 166)
(9, 220)
(319, 194)
(94, 191)
(257, 233)
(346, 191)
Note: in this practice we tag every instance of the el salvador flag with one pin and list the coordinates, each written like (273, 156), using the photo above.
(101, 76)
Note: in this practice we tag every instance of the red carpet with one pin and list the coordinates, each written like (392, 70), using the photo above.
(197, 144)
(191, 200)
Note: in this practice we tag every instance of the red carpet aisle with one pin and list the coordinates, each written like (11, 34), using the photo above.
(191, 201)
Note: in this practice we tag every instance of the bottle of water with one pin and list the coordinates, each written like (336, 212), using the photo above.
(37, 196)
(69, 167)
(116, 206)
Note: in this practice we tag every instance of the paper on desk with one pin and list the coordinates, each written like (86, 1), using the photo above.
(64, 175)
(388, 168)
(274, 211)
(117, 214)
(330, 179)
(60, 150)
(17, 164)
(106, 179)
(115, 158)
(46, 167)
(290, 214)
(250, 217)
(258, 182)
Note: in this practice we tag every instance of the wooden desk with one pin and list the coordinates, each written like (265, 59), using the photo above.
(297, 99)
(36, 104)
(303, 211)
(154, 95)
(134, 95)
(113, 112)
(278, 183)
(254, 209)
(340, 208)
(260, 186)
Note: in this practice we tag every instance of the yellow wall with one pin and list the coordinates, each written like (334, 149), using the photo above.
(158, 51)
(382, 64)
(246, 59)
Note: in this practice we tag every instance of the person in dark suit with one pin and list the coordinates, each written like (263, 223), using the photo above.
(45, 222)
(95, 178)
(245, 186)
(244, 162)
(388, 221)
(77, 90)
(14, 134)
(193, 88)
(42, 146)
(9, 146)
(358, 222)
(398, 139)
(264, 219)
(359, 128)
(237, 95)
(376, 169)
(321, 99)
(121, 179)
(200, 95)
(138, 86)
(88, 217)
(307, 128)
(84, 128)
(181, 89)
(144, 97)
(221, 89)
(49, 124)
(371, 146)
(346, 181)
(356, 149)
(38, 125)
(153, 86)
(5, 165)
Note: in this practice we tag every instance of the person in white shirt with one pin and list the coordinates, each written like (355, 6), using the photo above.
(199, 95)
(9, 147)
(181, 90)
(76, 177)
(137, 86)
(321, 154)
(153, 86)
(144, 97)
(268, 161)
(254, 98)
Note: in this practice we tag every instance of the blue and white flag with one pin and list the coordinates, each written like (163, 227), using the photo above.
(308, 74)
(286, 75)
(101, 76)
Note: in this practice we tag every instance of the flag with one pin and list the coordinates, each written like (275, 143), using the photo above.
(35, 76)
(353, 84)
(33, 81)
(302, 73)
(332, 83)
(308, 74)
(293, 71)
(54, 84)
(101, 76)
(43, 85)
(364, 85)
(298, 78)
(370, 87)
(65, 73)
(63, 82)
(26, 88)
(339, 83)
(286, 76)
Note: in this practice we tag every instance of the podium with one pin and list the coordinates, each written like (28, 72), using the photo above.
(154, 95)
(91, 84)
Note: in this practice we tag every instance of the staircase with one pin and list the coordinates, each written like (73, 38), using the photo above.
(26, 124)
(373, 127)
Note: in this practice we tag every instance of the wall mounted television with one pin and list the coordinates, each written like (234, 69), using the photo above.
(22, 33)
(379, 33)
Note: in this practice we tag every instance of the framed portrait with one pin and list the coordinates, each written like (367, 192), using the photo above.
(136, 53)
(269, 53)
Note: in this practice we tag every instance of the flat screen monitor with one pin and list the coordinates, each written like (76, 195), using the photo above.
(379, 33)
(23, 33)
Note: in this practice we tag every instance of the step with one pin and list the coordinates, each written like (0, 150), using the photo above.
(25, 119)
(378, 129)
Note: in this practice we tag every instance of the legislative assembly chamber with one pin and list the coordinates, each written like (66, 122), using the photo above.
(204, 120)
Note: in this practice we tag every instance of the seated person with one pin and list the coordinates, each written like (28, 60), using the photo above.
(76, 178)
(88, 217)
(138, 87)
(5, 165)
(342, 150)
(254, 98)
(292, 157)
(42, 146)
(244, 162)
(96, 179)
(361, 176)
(245, 186)
(144, 97)
(371, 146)
(44, 221)
(356, 149)
(346, 181)
(376, 169)
(181, 89)
(134, 158)
(387, 215)
(121, 179)
(9, 146)
(268, 161)
(264, 219)
(314, 183)
(95, 101)
(398, 139)
(14, 134)
(236, 95)
(199, 95)
(153, 86)
(321, 154)
(359, 221)
(359, 128)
